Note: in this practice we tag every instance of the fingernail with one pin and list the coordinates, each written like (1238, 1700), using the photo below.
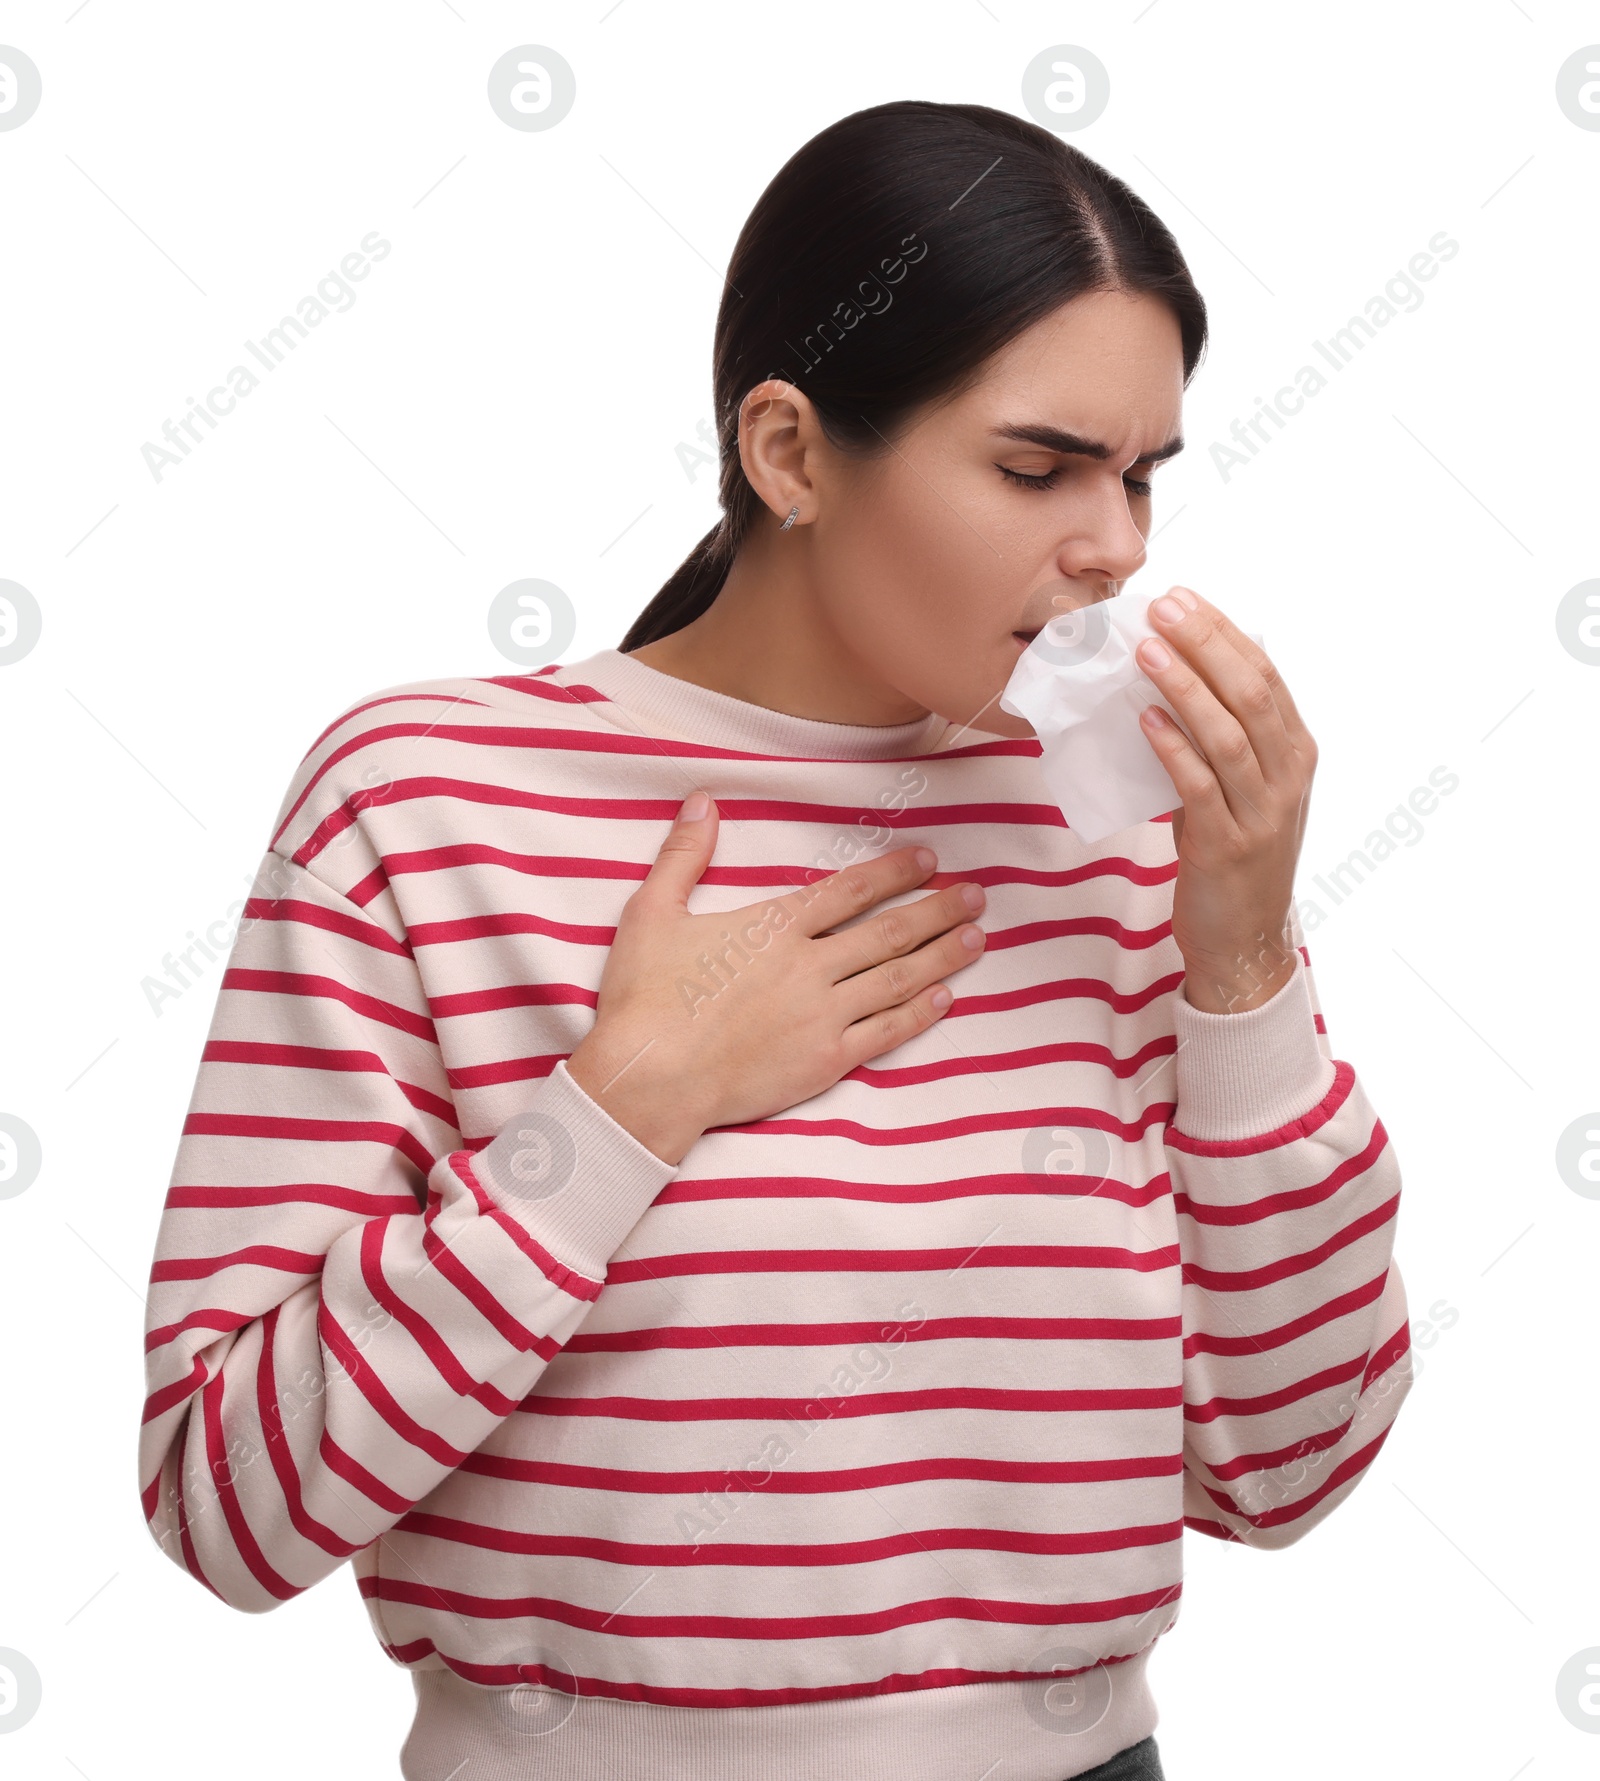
(972, 895)
(941, 998)
(1188, 597)
(926, 858)
(1169, 610)
(972, 938)
(1153, 655)
(694, 807)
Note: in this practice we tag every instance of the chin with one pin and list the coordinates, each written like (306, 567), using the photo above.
(1005, 723)
(990, 719)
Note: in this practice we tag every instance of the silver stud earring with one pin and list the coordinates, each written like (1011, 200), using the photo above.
(794, 514)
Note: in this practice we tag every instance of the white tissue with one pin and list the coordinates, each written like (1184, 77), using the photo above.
(1079, 686)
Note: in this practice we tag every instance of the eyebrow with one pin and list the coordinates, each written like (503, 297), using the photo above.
(1075, 445)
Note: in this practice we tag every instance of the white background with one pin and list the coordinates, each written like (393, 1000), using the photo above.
(505, 399)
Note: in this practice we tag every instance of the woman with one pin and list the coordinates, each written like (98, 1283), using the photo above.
(753, 1237)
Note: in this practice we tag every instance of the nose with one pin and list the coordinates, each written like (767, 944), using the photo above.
(1106, 543)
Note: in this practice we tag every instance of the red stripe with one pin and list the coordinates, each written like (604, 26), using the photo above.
(306, 984)
(369, 889)
(450, 1267)
(715, 1551)
(522, 736)
(826, 1335)
(223, 1323)
(256, 1255)
(540, 684)
(773, 1481)
(347, 1467)
(1272, 1459)
(1208, 1342)
(1323, 1439)
(1285, 1513)
(867, 1403)
(881, 1261)
(1065, 989)
(503, 923)
(774, 876)
(219, 1461)
(428, 1339)
(1213, 1408)
(512, 995)
(415, 1651)
(604, 742)
(1387, 1353)
(331, 921)
(1030, 1057)
(490, 795)
(937, 1131)
(555, 994)
(1346, 1169)
(506, 922)
(291, 1193)
(331, 1059)
(1248, 1279)
(314, 1131)
(191, 1558)
(913, 1193)
(511, 1069)
(574, 1284)
(763, 1626)
(365, 1379)
(420, 698)
(270, 1410)
(158, 1403)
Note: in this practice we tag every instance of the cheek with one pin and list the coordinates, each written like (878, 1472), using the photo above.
(934, 637)
(921, 577)
(923, 593)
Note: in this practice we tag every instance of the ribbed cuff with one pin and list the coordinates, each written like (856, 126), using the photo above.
(570, 1175)
(1242, 1075)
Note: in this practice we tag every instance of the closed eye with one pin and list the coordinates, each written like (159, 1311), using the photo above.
(1133, 484)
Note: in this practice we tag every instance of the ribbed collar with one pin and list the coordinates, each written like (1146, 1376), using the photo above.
(656, 700)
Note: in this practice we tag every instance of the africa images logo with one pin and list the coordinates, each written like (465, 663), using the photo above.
(1401, 295)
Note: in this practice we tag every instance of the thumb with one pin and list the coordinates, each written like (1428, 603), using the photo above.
(686, 851)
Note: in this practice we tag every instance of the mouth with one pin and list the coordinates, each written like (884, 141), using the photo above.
(1025, 636)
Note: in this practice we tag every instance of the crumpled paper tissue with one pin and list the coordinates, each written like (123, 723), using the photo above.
(1080, 687)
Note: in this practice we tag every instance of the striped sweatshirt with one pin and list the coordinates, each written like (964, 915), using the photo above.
(833, 1449)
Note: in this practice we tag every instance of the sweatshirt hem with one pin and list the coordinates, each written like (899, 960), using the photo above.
(1044, 1730)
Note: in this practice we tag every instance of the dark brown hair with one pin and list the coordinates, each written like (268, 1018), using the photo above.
(973, 223)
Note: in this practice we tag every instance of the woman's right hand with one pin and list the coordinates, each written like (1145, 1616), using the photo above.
(718, 1019)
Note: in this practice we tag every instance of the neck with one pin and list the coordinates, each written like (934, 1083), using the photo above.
(766, 639)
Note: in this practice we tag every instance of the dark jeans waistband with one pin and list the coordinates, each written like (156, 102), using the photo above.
(1139, 1762)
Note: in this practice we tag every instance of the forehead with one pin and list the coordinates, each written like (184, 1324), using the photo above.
(1106, 361)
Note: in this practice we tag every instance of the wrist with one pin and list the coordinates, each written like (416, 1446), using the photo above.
(1240, 982)
(625, 1079)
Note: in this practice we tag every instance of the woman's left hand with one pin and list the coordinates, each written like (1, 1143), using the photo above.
(1243, 816)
